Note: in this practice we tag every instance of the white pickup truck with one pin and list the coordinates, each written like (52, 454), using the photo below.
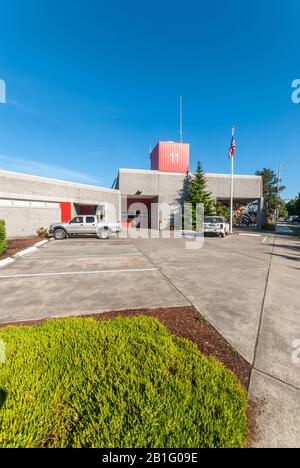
(216, 225)
(83, 225)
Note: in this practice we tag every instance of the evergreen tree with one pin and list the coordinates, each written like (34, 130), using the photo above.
(293, 206)
(270, 182)
(197, 194)
(223, 210)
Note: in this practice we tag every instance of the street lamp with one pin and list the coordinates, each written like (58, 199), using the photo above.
(279, 170)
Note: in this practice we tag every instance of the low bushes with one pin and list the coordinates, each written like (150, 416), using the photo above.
(3, 244)
(125, 382)
(42, 232)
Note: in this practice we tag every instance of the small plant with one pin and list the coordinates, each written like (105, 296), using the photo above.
(119, 383)
(3, 244)
(42, 232)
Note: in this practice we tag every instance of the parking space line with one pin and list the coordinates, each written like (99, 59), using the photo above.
(264, 239)
(248, 234)
(90, 272)
(50, 257)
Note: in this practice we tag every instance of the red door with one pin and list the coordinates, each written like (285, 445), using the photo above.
(65, 211)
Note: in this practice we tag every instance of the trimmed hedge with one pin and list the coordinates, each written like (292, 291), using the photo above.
(3, 244)
(125, 382)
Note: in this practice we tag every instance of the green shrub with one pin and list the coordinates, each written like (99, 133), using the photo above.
(3, 244)
(125, 382)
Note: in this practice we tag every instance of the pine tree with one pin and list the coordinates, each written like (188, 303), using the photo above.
(270, 182)
(197, 194)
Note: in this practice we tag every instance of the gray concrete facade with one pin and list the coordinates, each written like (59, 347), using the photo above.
(30, 202)
(167, 185)
(169, 188)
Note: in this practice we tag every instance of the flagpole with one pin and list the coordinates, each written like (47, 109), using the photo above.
(231, 190)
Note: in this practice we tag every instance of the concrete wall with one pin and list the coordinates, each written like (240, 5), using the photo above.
(245, 187)
(170, 188)
(24, 220)
(169, 185)
(29, 202)
(23, 186)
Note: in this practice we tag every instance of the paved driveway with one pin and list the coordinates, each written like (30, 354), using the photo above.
(81, 276)
(247, 286)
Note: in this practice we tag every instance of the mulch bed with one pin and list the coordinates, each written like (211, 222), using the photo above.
(187, 322)
(15, 245)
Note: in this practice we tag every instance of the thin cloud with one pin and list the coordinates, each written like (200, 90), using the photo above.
(36, 114)
(28, 166)
(20, 106)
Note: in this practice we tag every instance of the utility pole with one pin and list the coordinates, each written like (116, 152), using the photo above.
(231, 188)
(277, 198)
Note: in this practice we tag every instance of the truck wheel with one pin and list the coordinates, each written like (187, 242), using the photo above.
(59, 234)
(104, 234)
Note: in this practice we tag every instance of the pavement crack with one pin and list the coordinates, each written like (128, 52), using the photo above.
(276, 378)
(165, 277)
(263, 304)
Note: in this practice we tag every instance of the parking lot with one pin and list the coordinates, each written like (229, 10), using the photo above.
(247, 286)
(79, 276)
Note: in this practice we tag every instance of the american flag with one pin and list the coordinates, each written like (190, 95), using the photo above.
(231, 151)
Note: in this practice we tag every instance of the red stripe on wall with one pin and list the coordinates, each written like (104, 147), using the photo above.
(65, 210)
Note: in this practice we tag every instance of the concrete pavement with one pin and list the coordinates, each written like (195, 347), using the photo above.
(82, 276)
(249, 289)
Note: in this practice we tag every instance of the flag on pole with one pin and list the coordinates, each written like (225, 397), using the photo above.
(231, 154)
(231, 151)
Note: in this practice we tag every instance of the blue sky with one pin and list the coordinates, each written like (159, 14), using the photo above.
(91, 85)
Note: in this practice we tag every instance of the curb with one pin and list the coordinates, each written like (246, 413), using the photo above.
(39, 244)
(34, 248)
(25, 252)
(6, 261)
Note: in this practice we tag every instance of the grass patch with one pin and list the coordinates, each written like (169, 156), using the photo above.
(125, 382)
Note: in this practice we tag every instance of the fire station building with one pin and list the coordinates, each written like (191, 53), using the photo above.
(29, 202)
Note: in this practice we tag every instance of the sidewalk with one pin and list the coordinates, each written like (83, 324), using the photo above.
(275, 379)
